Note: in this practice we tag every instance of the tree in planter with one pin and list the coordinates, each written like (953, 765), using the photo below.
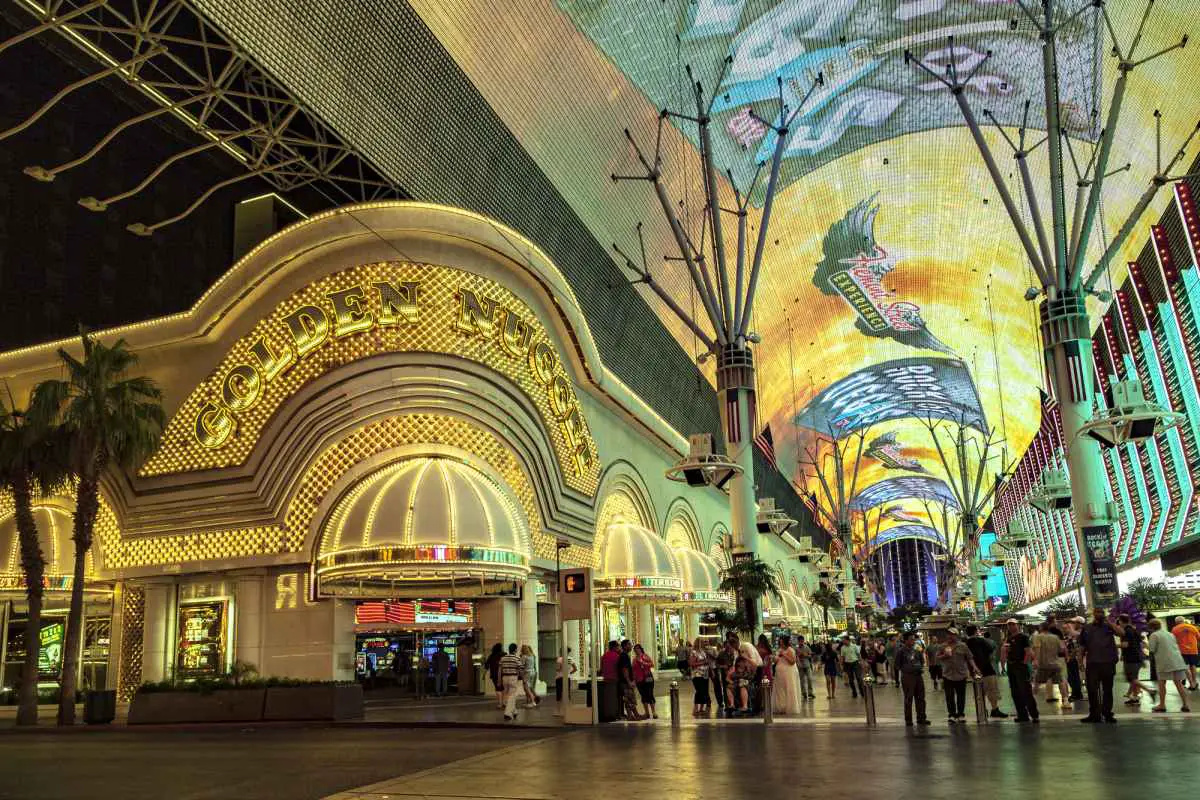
(33, 461)
(112, 420)
(727, 621)
(909, 613)
(827, 598)
(1152, 595)
(1065, 607)
(749, 580)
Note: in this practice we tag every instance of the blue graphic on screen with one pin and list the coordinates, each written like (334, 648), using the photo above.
(996, 585)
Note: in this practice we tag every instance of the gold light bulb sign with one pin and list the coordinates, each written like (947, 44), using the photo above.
(364, 311)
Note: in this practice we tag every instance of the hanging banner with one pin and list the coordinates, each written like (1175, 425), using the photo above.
(1097, 541)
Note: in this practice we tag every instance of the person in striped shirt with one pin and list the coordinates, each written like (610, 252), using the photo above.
(511, 672)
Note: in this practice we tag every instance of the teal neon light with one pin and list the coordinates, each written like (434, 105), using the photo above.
(1122, 491)
(1154, 372)
(1176, 350)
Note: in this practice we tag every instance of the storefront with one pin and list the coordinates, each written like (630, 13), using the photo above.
(390, 409)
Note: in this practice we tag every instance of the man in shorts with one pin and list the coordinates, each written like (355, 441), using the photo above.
(1047, 650)
(1188, 637)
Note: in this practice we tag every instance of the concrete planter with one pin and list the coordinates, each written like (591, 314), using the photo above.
(223, 705)
(334, 702)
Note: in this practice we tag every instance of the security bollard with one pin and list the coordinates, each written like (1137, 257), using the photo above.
(869, 700)
(981, 716)
(767, 704)
(674, 704)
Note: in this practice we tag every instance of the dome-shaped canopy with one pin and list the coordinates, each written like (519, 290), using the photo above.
(701, 579)
(422, 526)
(54, 533)
(785, 609)
(636, 562)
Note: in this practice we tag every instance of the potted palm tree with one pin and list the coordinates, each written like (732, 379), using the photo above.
(827, 598)
(749, 579)
(33, 462)
(113, 420)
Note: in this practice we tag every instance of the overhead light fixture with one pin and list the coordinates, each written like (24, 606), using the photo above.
(1129, 418)
(1053, 493)
(702, 466)
(770, 519)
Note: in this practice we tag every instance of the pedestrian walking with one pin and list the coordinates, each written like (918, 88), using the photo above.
(957, 668)
(441, 672)
(851, 657)
(982, 649)
(529, 674)
(804, 659)
(1075, 659)
(829, 660)
(1099, 643)
(493, 667)
(1172, 666)
(1188, 638)
(1048, 650)
(700, 665)
(511, 670)
(910, 665)
(1132, 658)
(1017, 655)
(626, 685)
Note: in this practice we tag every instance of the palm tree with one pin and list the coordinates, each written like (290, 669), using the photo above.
(750, 579)
(1152, 595)
(113, 420)
(827, 598)
(33, 460)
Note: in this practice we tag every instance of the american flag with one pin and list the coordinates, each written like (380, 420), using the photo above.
(836, 547)
(766, 444)
(1076, 373)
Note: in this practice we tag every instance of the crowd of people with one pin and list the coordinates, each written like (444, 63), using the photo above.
(513, 675)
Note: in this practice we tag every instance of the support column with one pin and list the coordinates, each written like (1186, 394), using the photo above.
(159, 627)
(1069, 353)
(342, 633)
(527, 633)
(248, 598)
(498, 619)
(643, 629)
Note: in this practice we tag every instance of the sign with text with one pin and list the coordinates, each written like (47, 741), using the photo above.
(1097, 540)
(201, 651)
(575, 593)
(50, 651)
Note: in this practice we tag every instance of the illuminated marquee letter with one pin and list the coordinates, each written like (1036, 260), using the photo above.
(581, 454)
(475, 314)
(561, 397)
(542, 360)
(271, 363)
(349, 311)
(398, 303)
(242, 388)
(309, 328)
(514, 338)
(214, 425)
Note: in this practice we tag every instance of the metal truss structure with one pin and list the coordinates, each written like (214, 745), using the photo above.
(188, 68)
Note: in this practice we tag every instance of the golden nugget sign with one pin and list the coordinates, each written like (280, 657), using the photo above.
(361, 312)
(1041, 577)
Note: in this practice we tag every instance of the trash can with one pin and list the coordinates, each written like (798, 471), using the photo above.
(100, 707)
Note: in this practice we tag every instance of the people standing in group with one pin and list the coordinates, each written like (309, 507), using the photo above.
(723, 662)
(982, 650)
(529, 674)
(881, 661)
(1017, 654)
(626, 686)
(785, 694)
(492, 664)
(700, 665)
(1132, 659)
(441, 672)
(1048, 650)
(562, 675)
(765, 671)
(909, 659)
(829, 661)
(643, 678)
(1187, 636)
(683, 658)
(957, 668)
(512, 669)
(804, 659)
(1099, 643)
(851, 657)
(1172, 666)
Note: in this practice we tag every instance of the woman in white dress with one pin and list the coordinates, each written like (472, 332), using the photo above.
(786, 694)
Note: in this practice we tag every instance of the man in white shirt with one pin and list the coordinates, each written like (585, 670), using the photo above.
(852, 666)
(558, 674)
